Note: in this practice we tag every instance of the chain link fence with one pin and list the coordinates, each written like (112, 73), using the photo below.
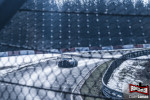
(75, 50)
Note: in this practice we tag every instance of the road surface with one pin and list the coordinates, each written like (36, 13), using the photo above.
(35, 82)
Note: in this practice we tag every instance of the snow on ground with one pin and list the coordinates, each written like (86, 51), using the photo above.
(127, 73)
(72, 53)
(9, 64)
(96, 54)
(23, 59)
(12, 61)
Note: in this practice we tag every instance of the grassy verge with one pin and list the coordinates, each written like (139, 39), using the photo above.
(93, 84)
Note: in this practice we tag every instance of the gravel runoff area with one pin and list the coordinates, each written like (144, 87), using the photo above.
(93, 83)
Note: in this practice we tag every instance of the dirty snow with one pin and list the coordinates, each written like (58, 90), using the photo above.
(126, 74)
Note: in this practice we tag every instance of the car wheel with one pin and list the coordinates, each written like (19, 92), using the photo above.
(76, 63)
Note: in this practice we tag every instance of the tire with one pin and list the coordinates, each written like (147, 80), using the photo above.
(76, 63)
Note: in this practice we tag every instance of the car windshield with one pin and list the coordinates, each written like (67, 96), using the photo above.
(67, 58)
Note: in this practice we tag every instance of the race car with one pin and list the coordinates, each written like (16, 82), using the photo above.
(67, 62)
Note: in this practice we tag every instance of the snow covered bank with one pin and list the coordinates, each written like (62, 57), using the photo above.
(129, 72)
(9, 64)
(23, 59)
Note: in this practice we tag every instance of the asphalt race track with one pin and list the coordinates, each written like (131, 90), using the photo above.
(35, 82)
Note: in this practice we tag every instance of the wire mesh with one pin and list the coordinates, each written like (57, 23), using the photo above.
(75, 50)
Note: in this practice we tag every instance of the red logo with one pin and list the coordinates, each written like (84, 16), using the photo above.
(139, 88)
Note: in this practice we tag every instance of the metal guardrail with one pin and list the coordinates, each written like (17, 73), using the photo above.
(111, 93)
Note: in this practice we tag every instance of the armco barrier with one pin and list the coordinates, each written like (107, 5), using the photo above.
(73, 49)
(108, 92)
